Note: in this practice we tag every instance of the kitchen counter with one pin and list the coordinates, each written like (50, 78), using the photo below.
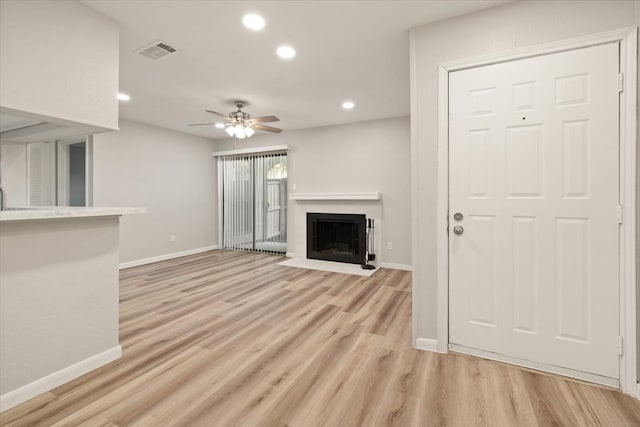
(51, 212)
(58, 296)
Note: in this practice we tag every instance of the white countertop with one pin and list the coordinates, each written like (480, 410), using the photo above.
(50, 212)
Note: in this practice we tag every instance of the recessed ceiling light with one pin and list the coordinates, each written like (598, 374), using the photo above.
(123, 97)
(220, 125)
(286, 52)
(253, 22)
(348, 105)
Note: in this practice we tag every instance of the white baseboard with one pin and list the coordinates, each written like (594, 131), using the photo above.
(395, 266)
(426, 344)
(290, 254)
(31, 390)
(144, 261)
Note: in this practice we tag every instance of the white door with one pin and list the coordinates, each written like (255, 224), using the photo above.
(41, 179)
(534, 173)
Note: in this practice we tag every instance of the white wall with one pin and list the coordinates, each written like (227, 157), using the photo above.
(171, 174)
(495, 30)
(637, 3)
(13, 173)
(358, 157)
(59, 59)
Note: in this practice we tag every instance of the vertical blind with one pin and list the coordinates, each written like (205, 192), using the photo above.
(254, 202)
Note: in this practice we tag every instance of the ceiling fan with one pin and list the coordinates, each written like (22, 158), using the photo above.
(241, 124)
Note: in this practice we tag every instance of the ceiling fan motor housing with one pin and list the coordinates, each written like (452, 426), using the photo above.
(244, 120)
(239, 116)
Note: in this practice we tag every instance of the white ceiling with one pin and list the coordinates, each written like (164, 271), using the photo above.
(356, 50)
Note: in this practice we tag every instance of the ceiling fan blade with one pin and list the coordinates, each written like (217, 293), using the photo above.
(265, 119)
(201, 124)
(267, 128)
(217, 114)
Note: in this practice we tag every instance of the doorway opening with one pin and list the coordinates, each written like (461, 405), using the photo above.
(253, 202)
(626, 211)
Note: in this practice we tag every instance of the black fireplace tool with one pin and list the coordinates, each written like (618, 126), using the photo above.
(369, 254)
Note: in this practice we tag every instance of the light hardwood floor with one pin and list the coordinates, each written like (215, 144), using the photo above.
(227, 338)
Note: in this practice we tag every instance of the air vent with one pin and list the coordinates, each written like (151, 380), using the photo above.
(157, 50)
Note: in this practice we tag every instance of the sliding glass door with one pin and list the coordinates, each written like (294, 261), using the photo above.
(254, 202)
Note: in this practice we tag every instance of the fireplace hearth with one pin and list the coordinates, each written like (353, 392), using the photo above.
(336, 237)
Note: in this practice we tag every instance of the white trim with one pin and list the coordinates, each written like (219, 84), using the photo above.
(220, 203)
(31, 390)
(395, 266)
(88, 197)
(629, 201)
(557, 370)
(250, 150)
(442, 214)
(544, 49)
(627, 37)
(335, 196)
(62, 167)
(165, 257)
(290, 254)
(416, 294)
(426, 344)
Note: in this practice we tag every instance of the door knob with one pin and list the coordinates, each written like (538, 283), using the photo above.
(458, 229)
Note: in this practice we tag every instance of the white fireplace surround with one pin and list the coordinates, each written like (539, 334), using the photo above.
(369, 204)
(335, 196)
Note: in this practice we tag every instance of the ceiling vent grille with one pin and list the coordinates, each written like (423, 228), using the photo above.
(157, 50)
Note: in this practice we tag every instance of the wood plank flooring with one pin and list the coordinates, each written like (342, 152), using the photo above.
(229, 338)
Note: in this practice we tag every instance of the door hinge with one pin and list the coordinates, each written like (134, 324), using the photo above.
(620, 82)
(447, 222)
(620, 346)
(619, 214)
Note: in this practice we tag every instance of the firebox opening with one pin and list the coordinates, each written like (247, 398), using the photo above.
(336, 237)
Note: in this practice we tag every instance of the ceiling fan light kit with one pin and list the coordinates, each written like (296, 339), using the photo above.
(241, 125)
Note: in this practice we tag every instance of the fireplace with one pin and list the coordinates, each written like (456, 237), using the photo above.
(336, 237)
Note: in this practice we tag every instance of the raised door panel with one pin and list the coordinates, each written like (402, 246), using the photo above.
(533, 168)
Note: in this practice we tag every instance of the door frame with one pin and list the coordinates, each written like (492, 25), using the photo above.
(62, 167)
(220, 193)
(627, 38)
(250, 150)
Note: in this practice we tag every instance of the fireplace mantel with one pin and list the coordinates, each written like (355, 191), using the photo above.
(335, 196)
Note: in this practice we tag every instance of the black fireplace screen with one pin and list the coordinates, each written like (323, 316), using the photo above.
(336, 237)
